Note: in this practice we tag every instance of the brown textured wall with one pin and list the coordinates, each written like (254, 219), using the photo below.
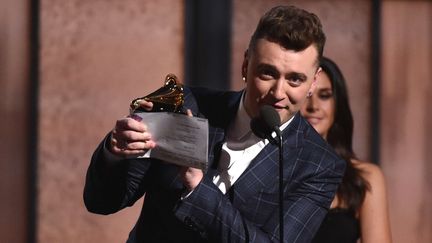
(14, 123)
(406, 118)
(347, 26)
(95, 57)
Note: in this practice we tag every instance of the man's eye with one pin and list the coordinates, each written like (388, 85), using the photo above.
(266, 75)
(295, 81)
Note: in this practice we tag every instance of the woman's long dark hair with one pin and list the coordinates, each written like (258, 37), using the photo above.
(352, 190)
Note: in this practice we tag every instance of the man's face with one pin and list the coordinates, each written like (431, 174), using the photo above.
(278, 77)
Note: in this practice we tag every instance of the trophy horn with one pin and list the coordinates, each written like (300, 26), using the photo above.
(168, 98)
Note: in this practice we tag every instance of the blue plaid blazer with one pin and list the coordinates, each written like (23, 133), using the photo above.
(248, 212)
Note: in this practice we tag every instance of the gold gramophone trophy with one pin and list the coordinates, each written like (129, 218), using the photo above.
(168, 98)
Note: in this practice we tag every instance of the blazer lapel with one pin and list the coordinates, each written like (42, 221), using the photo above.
(225, 113)
(216, 138)
(263, 170)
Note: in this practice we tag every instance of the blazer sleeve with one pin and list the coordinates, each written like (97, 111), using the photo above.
(306, 201)
(113, 183)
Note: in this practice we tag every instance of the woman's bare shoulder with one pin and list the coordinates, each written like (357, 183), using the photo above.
(374, 216)
(371, 172)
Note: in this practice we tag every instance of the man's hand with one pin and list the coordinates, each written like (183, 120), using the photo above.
(130, 136)
(191, 177)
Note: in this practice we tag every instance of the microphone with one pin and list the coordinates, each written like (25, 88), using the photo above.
(267, 122)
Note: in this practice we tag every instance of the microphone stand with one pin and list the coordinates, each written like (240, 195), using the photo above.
(263, 126)
(281, 189)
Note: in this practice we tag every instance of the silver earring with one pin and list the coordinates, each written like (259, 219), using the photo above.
(244, 79)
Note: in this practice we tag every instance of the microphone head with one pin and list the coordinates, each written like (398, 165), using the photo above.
(267, 122)
(270, 116)
(258, 127)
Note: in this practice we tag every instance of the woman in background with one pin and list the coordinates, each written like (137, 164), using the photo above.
(359, 210)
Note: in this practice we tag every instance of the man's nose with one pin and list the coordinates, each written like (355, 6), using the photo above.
(278, 89)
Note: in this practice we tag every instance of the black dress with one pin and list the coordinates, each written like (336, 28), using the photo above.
(339, 226)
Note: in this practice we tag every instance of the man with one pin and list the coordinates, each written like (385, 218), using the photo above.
(236, 200)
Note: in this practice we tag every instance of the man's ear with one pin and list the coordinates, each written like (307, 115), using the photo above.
(314, 82)
(317, 73)
(245, 63)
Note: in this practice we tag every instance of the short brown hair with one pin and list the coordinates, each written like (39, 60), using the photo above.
(291, 27)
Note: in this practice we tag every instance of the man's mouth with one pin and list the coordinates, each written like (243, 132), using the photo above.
(280, 107)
